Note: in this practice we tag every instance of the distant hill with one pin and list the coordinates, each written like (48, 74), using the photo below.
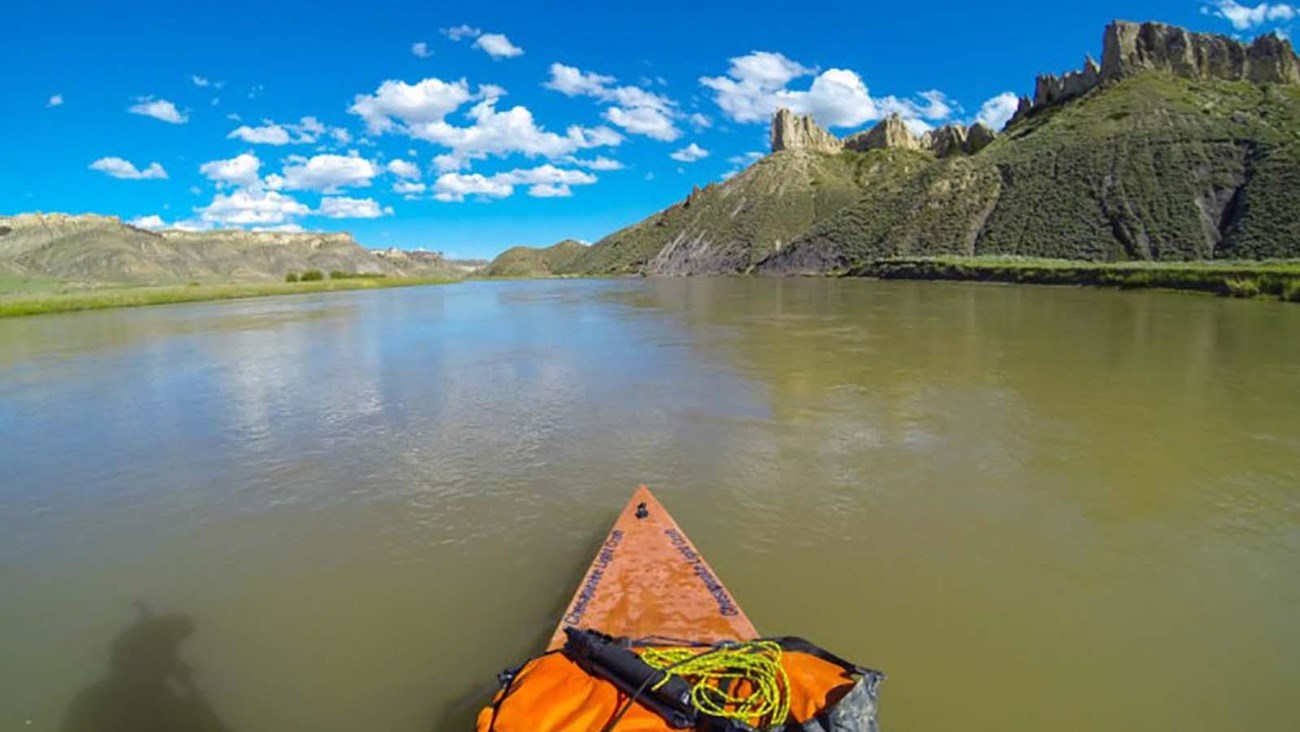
(102, 249)
(556, 259)
(1178, 146)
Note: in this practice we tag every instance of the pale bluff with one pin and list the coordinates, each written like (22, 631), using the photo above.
(93, 248)
(799, 132)
(1128, 48)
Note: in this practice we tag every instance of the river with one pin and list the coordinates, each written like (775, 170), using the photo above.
(1033, 508)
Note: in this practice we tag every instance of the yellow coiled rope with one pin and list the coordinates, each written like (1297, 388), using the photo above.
(742, 681)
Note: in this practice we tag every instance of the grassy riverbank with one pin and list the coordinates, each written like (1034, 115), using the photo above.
(1274, 280)
(29, 303)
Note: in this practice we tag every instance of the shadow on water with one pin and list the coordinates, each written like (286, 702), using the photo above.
(148, 687)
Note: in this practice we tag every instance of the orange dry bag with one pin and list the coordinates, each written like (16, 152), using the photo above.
(598, 683)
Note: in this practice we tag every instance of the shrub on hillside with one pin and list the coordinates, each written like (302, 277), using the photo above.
(1243, 287)
(311, 275)
(1291, 291)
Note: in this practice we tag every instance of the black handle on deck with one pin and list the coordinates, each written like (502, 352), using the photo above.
(603, 657)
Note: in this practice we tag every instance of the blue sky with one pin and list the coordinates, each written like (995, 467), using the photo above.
(472, 127)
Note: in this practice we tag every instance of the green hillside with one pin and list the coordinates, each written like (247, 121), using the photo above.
(99, 250)
(732, 226)
(556, 259)
(1152, 167)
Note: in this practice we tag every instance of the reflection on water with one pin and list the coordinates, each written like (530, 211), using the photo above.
(147, 687)
(1035, 508)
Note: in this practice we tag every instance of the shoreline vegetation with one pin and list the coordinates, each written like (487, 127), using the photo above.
(40, 303)
(1276, 280)
(1271, 280)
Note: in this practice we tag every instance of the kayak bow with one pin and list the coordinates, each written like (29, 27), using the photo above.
(652, 641)
(649, 580)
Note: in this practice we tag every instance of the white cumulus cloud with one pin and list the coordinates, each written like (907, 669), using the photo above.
(545, 174)
(241, 170)
(328, 173)
(573, 82)
(458, 32)
(997, 111)
(396, 102)
(504, 132)
(342, 207)
(403, 169)
(757, 84)
(408, 188)
(306, 131)
(452, 187)
(636, 110)
(545, 181)
(119, 168)
(497, 45)
(422, 111)
(267, 134)
(152, 221)
(599, 162)
(55, 101)
(690, 154)
(646, 121)
(1245, 17)
(160, 109)
(421, 49)
(247, 206)
(550, 190)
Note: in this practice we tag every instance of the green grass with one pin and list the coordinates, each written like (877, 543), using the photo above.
(1291, 291)
(338, 274)
(24, 284)
(1273, 279)
(731, 227)
(527, 262)
(60, 302)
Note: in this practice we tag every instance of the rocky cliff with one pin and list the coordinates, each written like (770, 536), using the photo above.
(91, 248)
(1178, 146)
(1131, 48)
(1128, 48)
(794, 132)
(888, 133)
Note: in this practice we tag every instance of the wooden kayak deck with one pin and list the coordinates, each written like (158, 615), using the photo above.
(649, 580)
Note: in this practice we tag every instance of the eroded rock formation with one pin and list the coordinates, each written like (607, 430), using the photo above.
(889, 133)
(800, 132)
(1128, 48)
(951, 139)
